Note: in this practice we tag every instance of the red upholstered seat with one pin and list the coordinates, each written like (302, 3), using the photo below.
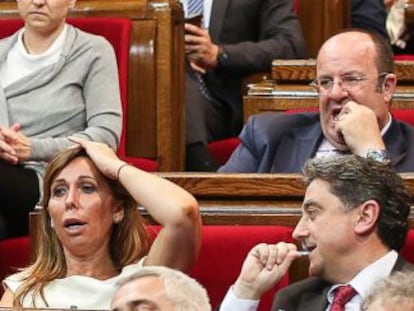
(408, 250)
(117, 31)
(406, 115)
(404, 57)
(222, 253)
(14, 254)
(221, 150)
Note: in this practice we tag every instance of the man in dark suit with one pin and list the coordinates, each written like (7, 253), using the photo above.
(354, 221)
(355, 82)
(237, 38)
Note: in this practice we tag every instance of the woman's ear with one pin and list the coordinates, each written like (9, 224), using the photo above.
(119, 212)
(118, 216)
(367, 217)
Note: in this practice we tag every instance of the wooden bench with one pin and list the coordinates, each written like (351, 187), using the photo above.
(155, 116)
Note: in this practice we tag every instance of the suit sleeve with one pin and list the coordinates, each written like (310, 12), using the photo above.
(244, 159)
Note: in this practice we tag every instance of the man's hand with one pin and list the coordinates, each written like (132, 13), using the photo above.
(200, 50)
(263, 267)
(359, 127)
(15, 147)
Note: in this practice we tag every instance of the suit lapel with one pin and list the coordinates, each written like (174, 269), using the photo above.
(296, 147)
(218, 12)
(394, 143)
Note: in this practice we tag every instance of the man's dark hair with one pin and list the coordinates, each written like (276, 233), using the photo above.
(355, 180)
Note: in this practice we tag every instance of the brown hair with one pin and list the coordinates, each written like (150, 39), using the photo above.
(129, 239)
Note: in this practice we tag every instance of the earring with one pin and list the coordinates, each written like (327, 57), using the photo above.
(117, 219)
(52, 224)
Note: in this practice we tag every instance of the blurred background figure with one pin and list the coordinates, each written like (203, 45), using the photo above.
(160, 288)
(395, 293)
(369, 15)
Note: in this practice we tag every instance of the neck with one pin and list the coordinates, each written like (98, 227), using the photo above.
(98, 266)
(358, 260)
(37, 42)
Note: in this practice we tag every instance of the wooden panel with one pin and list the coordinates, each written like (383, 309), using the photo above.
(155, 121)
(320, 19)
(304, 71)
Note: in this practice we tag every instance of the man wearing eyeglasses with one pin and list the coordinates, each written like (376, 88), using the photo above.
(355, 82)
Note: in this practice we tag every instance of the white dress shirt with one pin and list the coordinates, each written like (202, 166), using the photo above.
(362, 283)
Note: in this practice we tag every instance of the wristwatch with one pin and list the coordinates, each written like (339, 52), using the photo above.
(379, 155)
(222, 56)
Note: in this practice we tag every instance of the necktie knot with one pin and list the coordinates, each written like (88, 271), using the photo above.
(343, 295)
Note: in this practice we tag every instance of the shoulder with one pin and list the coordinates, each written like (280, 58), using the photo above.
(279, 122)
(14, 281)
(86, 40)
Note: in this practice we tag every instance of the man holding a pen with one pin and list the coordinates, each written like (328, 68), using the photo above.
(354, 222)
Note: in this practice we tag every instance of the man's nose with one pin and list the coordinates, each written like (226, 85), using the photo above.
(301, 230)
(338, 92)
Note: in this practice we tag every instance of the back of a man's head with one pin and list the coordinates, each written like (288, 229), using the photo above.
(395, 293)
(161, 289)
(355, 180)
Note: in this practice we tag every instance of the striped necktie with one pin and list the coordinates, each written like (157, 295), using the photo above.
(195, 7)
(343, 295)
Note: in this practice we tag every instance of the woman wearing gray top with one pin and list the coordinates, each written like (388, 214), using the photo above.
(55, 81)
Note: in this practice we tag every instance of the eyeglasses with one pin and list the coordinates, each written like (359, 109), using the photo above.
(348, 82)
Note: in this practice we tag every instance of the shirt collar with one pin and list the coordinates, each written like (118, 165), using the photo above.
(368, 276)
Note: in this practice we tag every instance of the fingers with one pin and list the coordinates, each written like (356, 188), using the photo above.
(275, 254)
(193, 30)
(197, 68)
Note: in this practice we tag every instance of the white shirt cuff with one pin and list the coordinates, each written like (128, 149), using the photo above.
(231, 303)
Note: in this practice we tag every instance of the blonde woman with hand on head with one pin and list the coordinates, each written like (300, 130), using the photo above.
(92, 234)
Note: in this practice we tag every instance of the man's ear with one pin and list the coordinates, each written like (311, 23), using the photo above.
(388, 86)
(368, 213)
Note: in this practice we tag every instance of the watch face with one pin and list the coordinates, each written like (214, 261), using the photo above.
(378, 155)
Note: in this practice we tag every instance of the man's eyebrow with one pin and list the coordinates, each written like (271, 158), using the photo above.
(310, 203)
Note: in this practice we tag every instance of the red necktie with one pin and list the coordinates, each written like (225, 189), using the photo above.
(343, 294)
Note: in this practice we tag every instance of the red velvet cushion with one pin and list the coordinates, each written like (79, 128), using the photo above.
(404, 57)
(406, 115)
(408, 250)
(142, 163)
(14, 254)
(223, 251)
(221, 150)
